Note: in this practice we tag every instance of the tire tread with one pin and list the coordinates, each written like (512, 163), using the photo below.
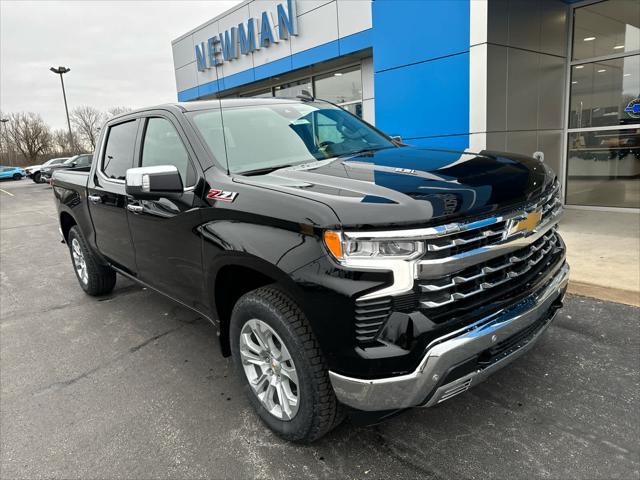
(328, 412)
(102, 278)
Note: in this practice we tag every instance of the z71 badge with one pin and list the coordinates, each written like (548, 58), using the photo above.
(215, 194)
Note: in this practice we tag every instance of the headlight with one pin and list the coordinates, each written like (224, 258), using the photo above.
(342, 247)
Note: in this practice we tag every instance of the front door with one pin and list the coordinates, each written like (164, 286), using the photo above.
(168, 247)
(107, 197)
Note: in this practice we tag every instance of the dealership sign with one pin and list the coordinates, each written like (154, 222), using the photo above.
(248, 37)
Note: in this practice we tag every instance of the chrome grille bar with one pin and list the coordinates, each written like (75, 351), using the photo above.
(439, 267)
(456, 242)
(512, 268)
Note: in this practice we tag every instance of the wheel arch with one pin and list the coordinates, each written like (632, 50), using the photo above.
(237, 274)
(66, 223)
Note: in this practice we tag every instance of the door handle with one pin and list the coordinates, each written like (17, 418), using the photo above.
(135, 208)
(95, 198)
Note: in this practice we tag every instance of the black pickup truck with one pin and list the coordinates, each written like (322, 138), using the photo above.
(344, 270)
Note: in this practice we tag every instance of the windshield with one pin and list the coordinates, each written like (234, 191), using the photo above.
(269, 136)
(71, 160)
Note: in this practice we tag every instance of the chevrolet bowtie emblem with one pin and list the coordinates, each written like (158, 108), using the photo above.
(526, 223)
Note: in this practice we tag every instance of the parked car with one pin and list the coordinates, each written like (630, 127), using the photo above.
(341, 267)
(33, 171)
(77, 162)
(14, 173)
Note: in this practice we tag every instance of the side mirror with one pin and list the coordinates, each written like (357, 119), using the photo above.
(154, 182)
(396, 138)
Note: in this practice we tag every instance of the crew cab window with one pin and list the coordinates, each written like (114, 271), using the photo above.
(162, 146)
(118, 154)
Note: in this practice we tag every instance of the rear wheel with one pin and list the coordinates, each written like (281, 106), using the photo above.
(94, 278)
(283, 370)
(37, 177)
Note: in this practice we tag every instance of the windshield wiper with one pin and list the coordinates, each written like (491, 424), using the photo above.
(263, 171)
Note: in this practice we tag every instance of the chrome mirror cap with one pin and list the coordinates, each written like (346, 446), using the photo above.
(154, 182)
(139, 177)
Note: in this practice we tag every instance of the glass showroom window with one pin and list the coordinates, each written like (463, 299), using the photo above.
(603, 154)
(266, 93)
(293, 89)
(343, 88)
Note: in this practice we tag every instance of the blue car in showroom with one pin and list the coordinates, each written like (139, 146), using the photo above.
(14, 173)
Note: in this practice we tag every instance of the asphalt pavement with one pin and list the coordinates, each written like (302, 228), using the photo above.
(134, 386)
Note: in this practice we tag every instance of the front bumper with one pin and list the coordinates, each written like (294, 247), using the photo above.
(455, 362)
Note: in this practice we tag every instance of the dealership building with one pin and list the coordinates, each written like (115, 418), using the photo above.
(557, 78)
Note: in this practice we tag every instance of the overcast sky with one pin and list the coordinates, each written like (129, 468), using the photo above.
(119, 52)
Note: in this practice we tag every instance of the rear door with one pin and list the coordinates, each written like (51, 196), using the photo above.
(164, 231)
(107, 197)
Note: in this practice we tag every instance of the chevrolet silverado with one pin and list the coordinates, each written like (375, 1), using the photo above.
(344, 270)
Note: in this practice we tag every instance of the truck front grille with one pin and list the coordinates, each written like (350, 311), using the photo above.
(493, 281)
(474, 268)
(479, 278)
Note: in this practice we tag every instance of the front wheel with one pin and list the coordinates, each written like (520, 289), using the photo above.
(94, 278)
(37, 177)
(17, 176)
(281, 365)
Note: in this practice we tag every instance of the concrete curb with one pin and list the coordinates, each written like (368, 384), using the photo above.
(617, 295)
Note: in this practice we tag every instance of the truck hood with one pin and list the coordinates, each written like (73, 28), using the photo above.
(408, 186)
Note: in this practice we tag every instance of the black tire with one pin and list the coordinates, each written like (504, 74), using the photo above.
(318, 409)
(17, 176)
(99, 279)
(37, 177)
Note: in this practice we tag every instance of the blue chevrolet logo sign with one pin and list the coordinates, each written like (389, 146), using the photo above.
(635, 108)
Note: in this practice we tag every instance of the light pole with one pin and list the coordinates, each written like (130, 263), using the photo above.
(4, 136)
(60, 71)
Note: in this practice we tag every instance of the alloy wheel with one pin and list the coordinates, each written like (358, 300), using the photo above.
(269, 368)
(79, 262)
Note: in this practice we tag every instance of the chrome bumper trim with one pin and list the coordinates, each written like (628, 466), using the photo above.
(445, 352)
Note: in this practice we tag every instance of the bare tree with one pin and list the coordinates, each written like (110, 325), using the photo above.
(28, 133)
(88, 121)
(60, 141)
(113, 111)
